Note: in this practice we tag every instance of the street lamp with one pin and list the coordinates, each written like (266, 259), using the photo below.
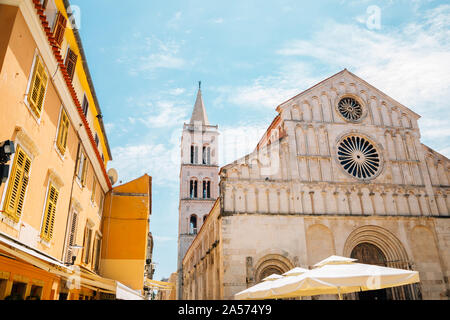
(6, 150)
(74, 248)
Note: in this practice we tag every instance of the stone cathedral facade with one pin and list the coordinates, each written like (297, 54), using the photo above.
(198, 177)
(341, 170)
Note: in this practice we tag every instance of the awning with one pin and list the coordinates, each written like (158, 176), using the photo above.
(158, 285)
(80, 276)
(32, 256)
(125, 293)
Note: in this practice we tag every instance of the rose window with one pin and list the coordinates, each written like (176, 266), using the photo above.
(350, 109)
(358, 157)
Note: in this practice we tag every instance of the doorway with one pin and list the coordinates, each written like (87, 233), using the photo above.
(370, 254)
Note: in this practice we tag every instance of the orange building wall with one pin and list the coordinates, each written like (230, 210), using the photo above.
(125, 228)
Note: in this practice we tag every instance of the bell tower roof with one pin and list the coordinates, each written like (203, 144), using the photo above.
(199, 112)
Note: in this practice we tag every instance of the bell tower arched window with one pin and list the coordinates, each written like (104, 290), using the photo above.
(206, 189)
(193, 185)
(206, 155)
(194, 154)
(193, 224)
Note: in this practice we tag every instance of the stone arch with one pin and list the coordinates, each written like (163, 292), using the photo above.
(319, 243)
(272, 263)
(388, 243)
(391, 253)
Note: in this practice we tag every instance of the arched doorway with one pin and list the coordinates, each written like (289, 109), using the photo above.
(269, 270)
(271, 264)
(380, 246)
(371, 254)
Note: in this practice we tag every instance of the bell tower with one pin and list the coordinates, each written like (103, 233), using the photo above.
(199, 186)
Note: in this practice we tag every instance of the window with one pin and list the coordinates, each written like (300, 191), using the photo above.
(194, 154)
(59, 28)
(63, 131)
(38, 87)
(94, 186)
(206, 155)
(18, 183)
(71, 62)
(87, 245)
(193, 224)
(82, 168)
(100, 205)
(18, 290)
(85, 105)
(50, 213)
(72, 236)
(358, 157)
(193, 189)
(96, 139)
(97, 246)
(35, 293)
(50, 12)
(206, 189)
(350, 109)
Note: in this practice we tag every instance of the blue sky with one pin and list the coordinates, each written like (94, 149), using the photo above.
(146, 58)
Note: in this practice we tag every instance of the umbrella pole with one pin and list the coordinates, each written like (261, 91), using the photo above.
(339, 293)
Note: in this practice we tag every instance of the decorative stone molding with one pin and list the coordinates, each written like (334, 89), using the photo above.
(26, 141)
(77, 205)
(387, 242)
(55, 178)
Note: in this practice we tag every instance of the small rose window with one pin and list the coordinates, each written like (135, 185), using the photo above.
(350, 109)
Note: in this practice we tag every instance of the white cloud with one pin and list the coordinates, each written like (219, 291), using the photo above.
(177, 91)
(155, 159)
(166, 114)
(217, 20)
(411, 63)
(109, 127)
(269, 92)
(237, 141)
(158, 112)
(147, 54)
(174, 21)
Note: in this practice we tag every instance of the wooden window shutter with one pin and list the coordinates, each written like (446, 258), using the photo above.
(87, 245)
(50, 214)
(36, 93)
(94, 186)
(85, 105)
(80, 165)
(84, 172)
(60, 28)
(98, 242)
(102, 200)
(18, 183)
(72, 236)
(63, 132)
(71, 62)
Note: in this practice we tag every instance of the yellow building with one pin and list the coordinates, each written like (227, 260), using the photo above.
(51, 204)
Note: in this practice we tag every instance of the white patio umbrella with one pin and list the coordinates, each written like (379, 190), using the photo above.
(260, 290)
(338, 275)
(262, 286)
